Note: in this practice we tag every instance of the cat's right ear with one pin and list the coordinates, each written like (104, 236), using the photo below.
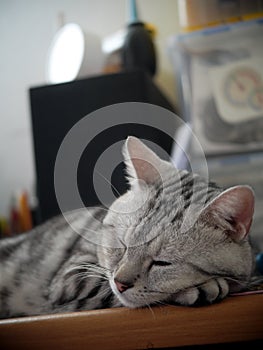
(234, 209)
(141, 162)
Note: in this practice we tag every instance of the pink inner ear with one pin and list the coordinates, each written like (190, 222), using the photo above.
(236, 205)
(141, 161)
(145, 171)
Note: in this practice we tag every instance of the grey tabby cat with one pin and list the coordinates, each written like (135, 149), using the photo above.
(173, 238)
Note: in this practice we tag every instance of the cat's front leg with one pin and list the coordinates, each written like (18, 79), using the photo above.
(206, 293)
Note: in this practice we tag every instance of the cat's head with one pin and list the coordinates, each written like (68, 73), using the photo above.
(173, 231)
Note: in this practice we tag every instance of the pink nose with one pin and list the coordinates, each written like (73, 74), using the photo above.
(121, 286)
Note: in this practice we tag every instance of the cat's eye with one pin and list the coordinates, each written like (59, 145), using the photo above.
(159, 263)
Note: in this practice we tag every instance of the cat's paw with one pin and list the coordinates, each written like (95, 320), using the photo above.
(207, 293)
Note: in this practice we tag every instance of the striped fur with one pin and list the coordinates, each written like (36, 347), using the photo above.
(172, 238)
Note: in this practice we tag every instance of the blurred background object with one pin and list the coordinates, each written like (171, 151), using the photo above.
(138, 51)
(27, 30)
(57, 109)
(219, 73)
(220, 82)
(131, 47)
(199, 14)
(73, 54)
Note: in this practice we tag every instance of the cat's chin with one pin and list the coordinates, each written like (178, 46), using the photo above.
(127, 303)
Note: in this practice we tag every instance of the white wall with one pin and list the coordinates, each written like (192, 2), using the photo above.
(26, 30)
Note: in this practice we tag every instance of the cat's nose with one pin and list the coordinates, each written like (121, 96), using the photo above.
(122, 286)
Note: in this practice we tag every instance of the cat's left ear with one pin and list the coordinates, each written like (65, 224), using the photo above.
(234, 209)
(141, 162)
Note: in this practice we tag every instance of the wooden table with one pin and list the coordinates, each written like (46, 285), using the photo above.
(236, 319)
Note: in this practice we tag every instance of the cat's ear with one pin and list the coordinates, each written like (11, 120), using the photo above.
(141, 162)
(234, 209)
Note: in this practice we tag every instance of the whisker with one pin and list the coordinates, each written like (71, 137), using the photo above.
(94, 266)
(150, 308)
(105, 292)
(115, 189)
(89, 267)
(94, 276)
(88, 270)
(157, 291)
(83, 276)
(162, 303)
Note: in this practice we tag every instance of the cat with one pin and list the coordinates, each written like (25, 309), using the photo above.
(172, 238)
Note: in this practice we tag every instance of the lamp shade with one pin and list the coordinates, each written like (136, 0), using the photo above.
(72, 54)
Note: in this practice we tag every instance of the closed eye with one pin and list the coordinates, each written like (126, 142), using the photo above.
(159, 263)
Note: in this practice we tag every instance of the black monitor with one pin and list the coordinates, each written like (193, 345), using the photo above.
(55, 109)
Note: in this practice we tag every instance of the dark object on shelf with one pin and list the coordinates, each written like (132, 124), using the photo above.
(138, 49)
(259, 262)
(55, 109)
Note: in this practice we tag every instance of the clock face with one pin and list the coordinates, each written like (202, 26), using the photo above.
(256, 98)
(237, 88)
(241, 85)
